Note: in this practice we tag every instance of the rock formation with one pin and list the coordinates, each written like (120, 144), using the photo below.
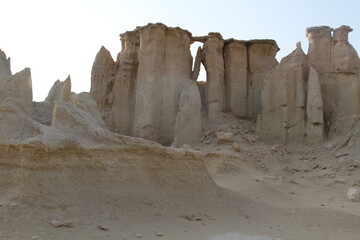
(102, 82)
(213, 60)
(140, 93)
(145, 85)
(314, 109)
(18, 86)
(5, 70)
(60, 91)
(330, 100)
(246, 66)
(284, 100)
(236, 77)
(337, 64)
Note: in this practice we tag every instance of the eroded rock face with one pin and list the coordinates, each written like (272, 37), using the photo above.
(284, 100)
(261, 57)
(188, 120)
(60, 91)
(314, 109)
(124, 89)
(246, 66)
(102, 82)
(236, 77)
(5, 70)
(18, 86)
(214, 66)
(337, 64)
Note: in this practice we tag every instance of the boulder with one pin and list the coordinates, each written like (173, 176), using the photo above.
(353, 194)
(224, 137)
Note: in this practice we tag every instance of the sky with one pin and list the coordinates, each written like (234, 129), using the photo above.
(58, 38)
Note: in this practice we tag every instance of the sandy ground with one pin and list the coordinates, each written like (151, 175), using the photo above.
(262, 192)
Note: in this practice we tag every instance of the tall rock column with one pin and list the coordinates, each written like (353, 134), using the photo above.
(261, 59)
(214, 66)
(102, 81)
(236, 71)
(125, 83)
(284, 100)
(314, 109)
(165, 64)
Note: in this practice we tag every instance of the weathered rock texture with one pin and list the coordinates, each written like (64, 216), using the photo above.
(284, 100)
(213, 60)
(314, 109)
(5, 70)
(337, 64)
(18, 86)
(60, 91)
(102, 82)
(329, 97)
(246, 66)
(139, 94)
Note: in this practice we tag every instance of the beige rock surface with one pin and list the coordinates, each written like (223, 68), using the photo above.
(261, 58)
(284, 100)
(60, 91)
(18, 86)
(236, 77)
(5, 70)
(215, 82)
(188, 121)
(102, 82)
(314, 110)
(123, 105)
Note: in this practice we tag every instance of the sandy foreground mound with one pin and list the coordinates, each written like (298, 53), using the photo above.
(142, 190)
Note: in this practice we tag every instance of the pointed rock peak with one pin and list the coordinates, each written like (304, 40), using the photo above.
(103, 55)
(5, 70)
(68, 79)
(297, 55)
(60, 91)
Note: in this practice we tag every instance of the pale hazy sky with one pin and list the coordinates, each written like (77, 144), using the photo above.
(58, 38)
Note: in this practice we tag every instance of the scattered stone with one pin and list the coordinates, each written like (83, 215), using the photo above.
(194, 217)
(102, 227)
(236, 147)
(34, 238)
(223, 138)
(337, 155)
(159, 234)
(250, 138)
(353, 194)
(56, 223)
(185, 146)
(138, 235)
(352, 167)
(208, 141)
